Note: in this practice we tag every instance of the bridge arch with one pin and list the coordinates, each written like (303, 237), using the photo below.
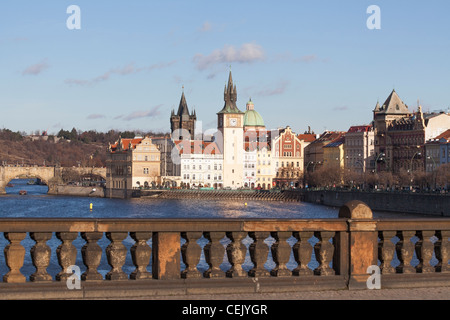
(7, 174)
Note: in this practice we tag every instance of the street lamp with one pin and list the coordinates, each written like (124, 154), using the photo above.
(418, 153)
(382, 154)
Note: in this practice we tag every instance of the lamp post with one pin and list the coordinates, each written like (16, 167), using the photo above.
(382, 154)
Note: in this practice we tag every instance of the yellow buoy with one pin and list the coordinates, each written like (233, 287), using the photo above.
(245, 204)
(90, 207)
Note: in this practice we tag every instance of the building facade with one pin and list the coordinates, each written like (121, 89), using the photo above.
(359, 149)
(133, 163)
(400, 135)
(314, 154)
(201, 164)
(287, 155)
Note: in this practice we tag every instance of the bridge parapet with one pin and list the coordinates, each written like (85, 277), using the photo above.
(163, 256)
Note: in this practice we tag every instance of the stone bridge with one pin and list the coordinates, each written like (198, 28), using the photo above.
(45, 174)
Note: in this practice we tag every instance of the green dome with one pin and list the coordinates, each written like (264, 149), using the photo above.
(253, 119)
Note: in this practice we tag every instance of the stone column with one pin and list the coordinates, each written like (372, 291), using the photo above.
(236, 251)
(14, 255)
(258, 253)
(214, 253)
(302, 253)
(116, 254)
(191, 252)
(141, 254)
(281, 252)
(40, 255)
(92, 254)
(66, 253)
(363, 241)
(166, 255)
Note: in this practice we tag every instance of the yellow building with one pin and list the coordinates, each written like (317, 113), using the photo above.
(132, 163)
(333, 153)
(264, 167)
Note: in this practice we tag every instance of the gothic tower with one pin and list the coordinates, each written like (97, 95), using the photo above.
(182, 124)
(231, 126)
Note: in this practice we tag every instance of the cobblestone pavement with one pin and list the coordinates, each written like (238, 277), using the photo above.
(442, 293)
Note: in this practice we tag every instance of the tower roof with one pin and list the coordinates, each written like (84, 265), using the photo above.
(251, 117)
(230, 97)
(183, 107)
(394, 105)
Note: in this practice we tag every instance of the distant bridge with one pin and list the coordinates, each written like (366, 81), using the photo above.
(45, 174)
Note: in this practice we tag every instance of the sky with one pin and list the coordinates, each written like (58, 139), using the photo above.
(303, 63)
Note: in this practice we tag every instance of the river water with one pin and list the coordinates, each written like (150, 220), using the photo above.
(37, 204)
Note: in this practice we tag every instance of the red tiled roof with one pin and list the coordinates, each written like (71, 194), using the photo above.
(126, 143)
(354, 129)
(444, 135)
(307, 137)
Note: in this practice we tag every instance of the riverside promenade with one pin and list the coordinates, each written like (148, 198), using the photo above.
(332, 256)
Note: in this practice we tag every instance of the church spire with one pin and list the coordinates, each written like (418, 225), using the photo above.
(183, 107)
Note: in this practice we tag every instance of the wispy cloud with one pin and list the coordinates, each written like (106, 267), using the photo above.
(36, 69)
(153, 112)
(247, 53)
(207, 26)
(95, 116)
(279, 88)
(128, 69)
(340, 108)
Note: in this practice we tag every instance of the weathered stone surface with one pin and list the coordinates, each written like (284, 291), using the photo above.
(355, 209)
(166, 254)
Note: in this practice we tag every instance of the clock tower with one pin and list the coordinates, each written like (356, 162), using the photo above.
(231, 127)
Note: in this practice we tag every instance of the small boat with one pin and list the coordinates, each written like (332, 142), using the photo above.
(22, 192)
(10, 185)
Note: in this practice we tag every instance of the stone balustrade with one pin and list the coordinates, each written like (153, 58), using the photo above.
(240, 255)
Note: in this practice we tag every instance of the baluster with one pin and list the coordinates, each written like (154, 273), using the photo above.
(116, 254)
(191, 252)
(141, 254)
(281, 252)
(214, 253)
(92, 254)
(386, 250)
(236, 251)
(302, 253)
(442, 251)
(14, 255)
(40, 255)
(424, 251)
(405, 251)
(324, 251)
(66, 253)
(258, 254)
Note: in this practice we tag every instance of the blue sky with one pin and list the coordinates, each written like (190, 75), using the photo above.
(303, 63)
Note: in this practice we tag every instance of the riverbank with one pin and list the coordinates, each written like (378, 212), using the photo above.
(77, 191)
(416, 203)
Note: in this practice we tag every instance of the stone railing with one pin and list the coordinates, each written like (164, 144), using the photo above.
(132, 257)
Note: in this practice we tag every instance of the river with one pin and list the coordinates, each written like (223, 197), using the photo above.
(37, 204)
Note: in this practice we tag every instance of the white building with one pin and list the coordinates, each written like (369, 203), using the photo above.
(201, 163)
